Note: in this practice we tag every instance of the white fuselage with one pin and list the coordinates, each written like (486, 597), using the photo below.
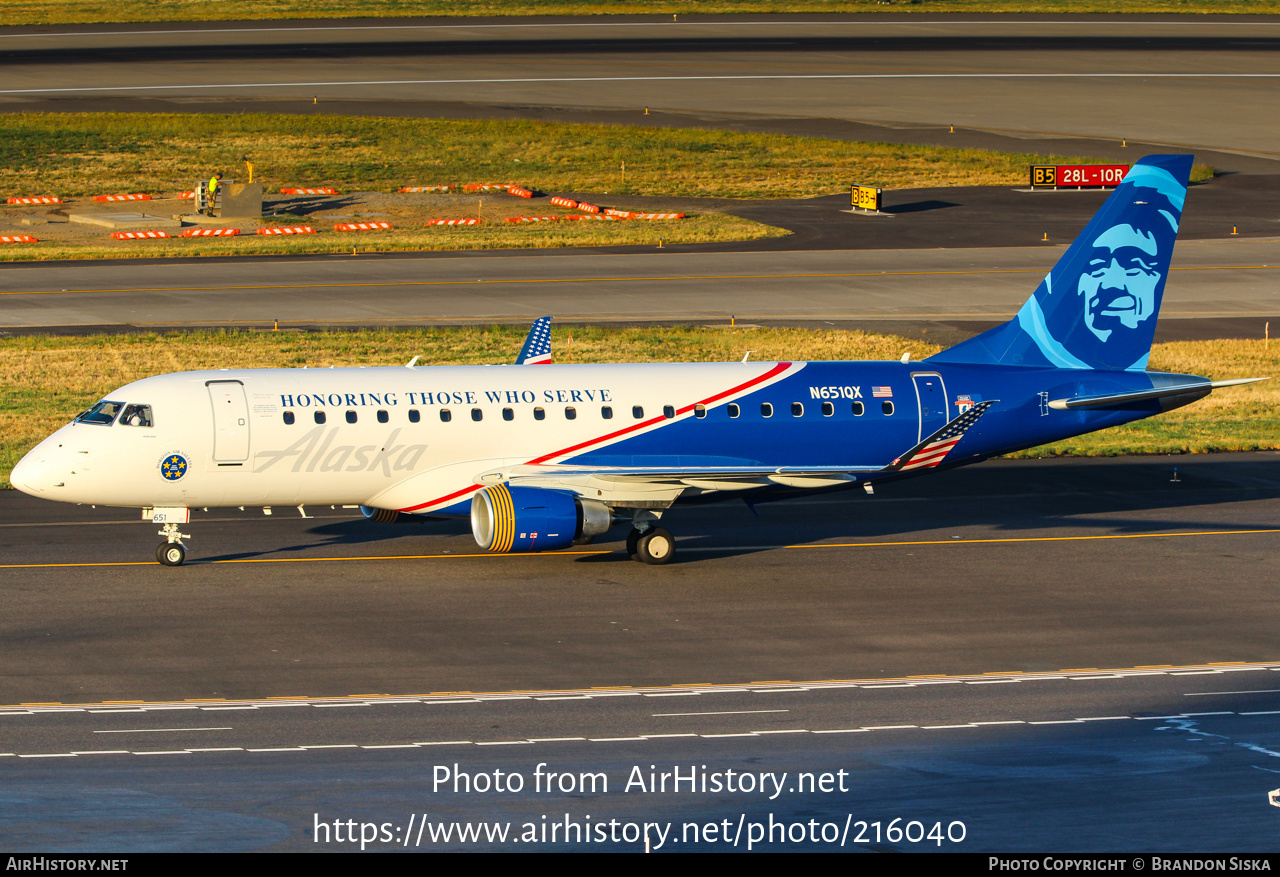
(417, 439)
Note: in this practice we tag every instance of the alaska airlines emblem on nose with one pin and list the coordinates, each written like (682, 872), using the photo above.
(173, 467)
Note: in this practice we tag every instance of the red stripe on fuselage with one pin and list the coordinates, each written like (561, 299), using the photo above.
(776, 370)
(440, 499)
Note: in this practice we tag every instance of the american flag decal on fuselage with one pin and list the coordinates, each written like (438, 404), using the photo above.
(933, 450)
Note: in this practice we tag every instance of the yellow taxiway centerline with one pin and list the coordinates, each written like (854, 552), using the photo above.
(809, 546)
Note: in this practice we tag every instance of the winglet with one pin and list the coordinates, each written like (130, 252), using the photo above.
(933, 450)
(537, 345)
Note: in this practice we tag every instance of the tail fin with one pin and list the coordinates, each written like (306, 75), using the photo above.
(1097, 308)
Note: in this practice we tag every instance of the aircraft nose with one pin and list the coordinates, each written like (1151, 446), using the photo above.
(30, 475)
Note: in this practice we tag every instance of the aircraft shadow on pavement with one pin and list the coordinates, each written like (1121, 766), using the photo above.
(1104, 497)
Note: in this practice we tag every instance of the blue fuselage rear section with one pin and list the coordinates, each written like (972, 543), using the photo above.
(831, 414)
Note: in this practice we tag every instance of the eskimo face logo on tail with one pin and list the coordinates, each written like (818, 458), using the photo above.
(1119, 288)
(1097, 307)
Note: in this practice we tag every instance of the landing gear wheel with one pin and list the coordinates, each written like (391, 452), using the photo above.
(171, 553)
(655, 546)
(633, 539)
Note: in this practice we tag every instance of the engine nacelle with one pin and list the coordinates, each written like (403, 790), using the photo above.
(505, 518)
(383, 516)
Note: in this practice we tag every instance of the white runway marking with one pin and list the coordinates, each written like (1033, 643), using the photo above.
(1187, 718)
(725, 713)
(159, 730)
(1207, 693)
(761, 77)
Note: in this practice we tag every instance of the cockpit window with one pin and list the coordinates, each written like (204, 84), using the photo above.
(136, 415)
(103, 414)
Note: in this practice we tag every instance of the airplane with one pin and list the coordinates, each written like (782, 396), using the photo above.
(543, 458)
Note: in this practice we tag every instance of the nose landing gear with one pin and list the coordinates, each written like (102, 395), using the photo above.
(172, 552)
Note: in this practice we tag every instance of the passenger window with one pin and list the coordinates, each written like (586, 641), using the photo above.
(668, 411)
(288, 418)
(414, 416)
(508, 414)
(539, 414)
(797, 409)
(102, 414)
(766, 410)
(351, 417)
(828, 409)
(477, 415)
(445, 415)
(606, 412)
(319, 417)
(886, 406)
(637, 412)
(383, 417)
(570, 413)
(699, 411)
(734, 410)
(136, 415)
(858, 409)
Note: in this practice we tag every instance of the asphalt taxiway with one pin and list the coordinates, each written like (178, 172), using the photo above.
(1232, 279)
(1023, 565)
(1090, 635)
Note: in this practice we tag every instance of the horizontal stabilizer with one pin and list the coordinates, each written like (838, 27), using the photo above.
(1203, 388)
(933, 450)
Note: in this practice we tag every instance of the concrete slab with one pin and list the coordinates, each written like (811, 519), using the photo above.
(125, 220)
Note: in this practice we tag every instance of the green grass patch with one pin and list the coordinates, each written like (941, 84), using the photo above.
(45, 380)
(88, 11)
(95, 153)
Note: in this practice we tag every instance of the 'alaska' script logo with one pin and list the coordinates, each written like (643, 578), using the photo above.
(315, 451)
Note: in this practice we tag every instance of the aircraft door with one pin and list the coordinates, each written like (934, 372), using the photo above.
(931, 399)
(230, 422)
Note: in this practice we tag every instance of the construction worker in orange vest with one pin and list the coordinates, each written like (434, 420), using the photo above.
(213, 190)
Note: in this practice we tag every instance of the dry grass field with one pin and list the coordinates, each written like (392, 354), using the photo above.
(85, 11)
(45, 380)
(95, 153)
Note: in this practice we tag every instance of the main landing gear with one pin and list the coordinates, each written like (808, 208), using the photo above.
(652, 545)
(172, 552)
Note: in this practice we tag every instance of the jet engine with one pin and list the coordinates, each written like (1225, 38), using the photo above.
(506, 518)
(383, 516)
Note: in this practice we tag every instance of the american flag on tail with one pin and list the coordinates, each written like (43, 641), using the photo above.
(537, 347)
(933, 450)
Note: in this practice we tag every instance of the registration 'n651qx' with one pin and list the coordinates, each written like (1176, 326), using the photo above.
(540, 458)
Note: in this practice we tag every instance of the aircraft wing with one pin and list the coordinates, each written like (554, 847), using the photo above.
(1203, 388)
